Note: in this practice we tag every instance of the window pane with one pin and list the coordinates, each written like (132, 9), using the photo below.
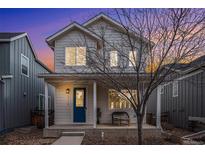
(24, 65)
(118, 101)
(24, 70)
(113, 58)
(70, 56)
(175, 88)
(41, 102)
(132, 58)
(81, 55)
(79, 98)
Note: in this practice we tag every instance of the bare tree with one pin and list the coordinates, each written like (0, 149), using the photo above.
(155, 37)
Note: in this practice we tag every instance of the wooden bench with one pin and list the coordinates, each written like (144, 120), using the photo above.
(121, 118)
(196, 122)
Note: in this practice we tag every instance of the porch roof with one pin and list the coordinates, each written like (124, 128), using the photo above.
(90, 76)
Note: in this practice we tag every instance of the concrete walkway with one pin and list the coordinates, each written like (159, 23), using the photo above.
(69, 140)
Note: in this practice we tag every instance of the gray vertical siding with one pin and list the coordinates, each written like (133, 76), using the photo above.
(17, 105)
(4, 58)
(152, 103)
(1, 106)
(190, 100)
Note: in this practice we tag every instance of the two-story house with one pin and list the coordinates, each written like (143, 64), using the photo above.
(79, 96)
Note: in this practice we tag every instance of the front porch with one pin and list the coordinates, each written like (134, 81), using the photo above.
(95, 97)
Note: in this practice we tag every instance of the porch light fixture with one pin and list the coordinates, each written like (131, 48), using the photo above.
(67, 91)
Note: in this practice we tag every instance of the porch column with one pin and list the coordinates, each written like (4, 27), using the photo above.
(158, 114)
(46, 105)
(94, 103)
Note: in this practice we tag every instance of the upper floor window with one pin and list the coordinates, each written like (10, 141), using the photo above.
(175, 89)
(75, 56)
(113, 59)
(132, 58)
(24, 65)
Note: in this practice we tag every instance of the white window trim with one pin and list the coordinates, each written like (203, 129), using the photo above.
(130, 63)
(76, 53)
(22, 55)
(162, 89)
(115, 52)
(177, 88)
(40, 94)
(120, 109)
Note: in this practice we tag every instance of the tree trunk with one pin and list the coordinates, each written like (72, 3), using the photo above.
(139, 127)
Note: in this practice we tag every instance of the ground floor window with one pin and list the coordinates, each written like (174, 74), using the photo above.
(41, 102)
(118, 101)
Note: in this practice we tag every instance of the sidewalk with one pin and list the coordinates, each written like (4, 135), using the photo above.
(69, 140)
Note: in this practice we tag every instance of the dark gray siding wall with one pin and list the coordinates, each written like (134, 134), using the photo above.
(21, 93)
(190, 100)
(1, 106)
(4, 58)
(152, 103)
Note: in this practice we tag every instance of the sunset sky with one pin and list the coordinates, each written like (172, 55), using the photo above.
(41, 23)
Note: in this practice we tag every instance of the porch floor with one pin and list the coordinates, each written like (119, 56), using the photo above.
(100, 126)
(57, 130)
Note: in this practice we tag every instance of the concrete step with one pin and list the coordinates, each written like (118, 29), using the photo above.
(25, 130)
(73, 134)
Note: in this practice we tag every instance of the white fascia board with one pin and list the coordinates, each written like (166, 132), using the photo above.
(13, 38)
(19, 36)
(100, 16)
(69, 27)
(190, 75)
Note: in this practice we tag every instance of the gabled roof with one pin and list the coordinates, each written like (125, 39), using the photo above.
(102, 16)
(9, 36)
(50, 40)
(71, 26)
(113, 22)
(198, 62)
(189, 67)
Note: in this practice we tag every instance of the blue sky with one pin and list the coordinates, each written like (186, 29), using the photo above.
(40, 23)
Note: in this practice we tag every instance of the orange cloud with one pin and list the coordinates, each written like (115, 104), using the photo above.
(46, 56)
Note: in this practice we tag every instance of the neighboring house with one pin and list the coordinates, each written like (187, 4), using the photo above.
(184, 96)
(20, 89)
(78, 93)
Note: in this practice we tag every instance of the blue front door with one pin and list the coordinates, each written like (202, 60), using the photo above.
(79, 105)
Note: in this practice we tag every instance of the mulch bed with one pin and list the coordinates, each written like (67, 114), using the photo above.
(35, 137)
(171, 136)
(125, 141)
